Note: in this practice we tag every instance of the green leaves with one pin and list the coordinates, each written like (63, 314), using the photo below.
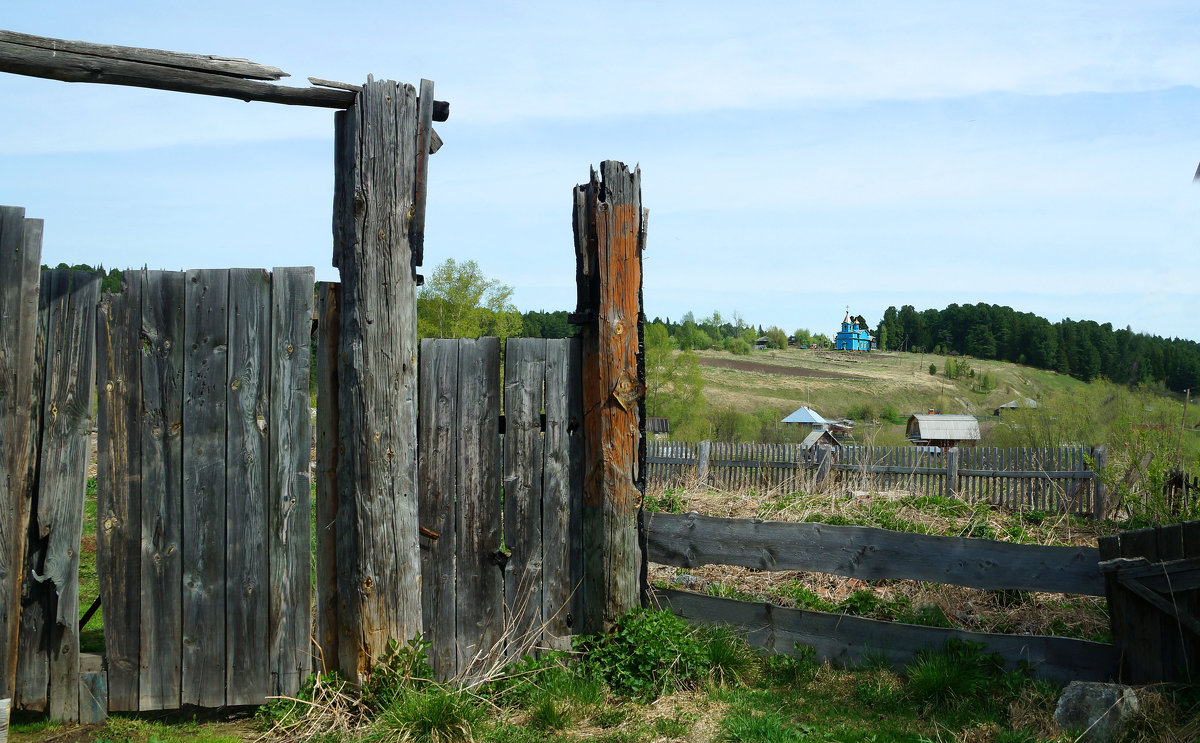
(459, 301)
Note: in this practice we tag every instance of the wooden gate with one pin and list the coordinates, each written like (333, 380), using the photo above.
(204, 486)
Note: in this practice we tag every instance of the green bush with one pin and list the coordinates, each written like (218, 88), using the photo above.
(647, 653)
(737, 347)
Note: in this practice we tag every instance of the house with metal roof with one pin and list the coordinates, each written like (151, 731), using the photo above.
(820, 437)
(944, 431)
(1012, 405)
(806, 416)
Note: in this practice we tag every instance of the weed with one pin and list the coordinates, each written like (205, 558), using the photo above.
(957, 674)
(647, 653)
(730, 660)
(669, 501)
(760, 727)
(792, 670)
(433, 714)
(399, 668)
(803, 598)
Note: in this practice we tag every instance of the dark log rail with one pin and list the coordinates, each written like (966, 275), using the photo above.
(83, 62)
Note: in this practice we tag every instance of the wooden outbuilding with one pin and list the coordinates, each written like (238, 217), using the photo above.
(943, 431)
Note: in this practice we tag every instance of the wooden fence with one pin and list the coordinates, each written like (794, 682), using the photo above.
(1049, 479)
(500, 574)
(204, 486)
(690, 540)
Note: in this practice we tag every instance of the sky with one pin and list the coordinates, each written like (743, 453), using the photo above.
(797, 157)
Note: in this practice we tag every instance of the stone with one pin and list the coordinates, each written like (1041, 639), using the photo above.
(1099, 711)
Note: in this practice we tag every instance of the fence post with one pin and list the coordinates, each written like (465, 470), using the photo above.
(824, 467)
(376, 195)
(609, 226)
(702, 452)
(950, 488)
(1099, 492)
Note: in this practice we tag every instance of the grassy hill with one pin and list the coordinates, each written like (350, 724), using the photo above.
(746, 396)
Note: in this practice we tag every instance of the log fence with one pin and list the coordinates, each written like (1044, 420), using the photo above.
(1046, 479)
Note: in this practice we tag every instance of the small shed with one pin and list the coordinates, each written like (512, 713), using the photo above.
(1012, 405)
(806, 416)
(944, 431)
(762, 343)
(820, 437)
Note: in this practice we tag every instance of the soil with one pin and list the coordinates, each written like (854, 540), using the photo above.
(784, 371)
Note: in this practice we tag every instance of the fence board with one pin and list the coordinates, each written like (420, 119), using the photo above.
(118, 490)
(689, 540)
(20, 255)
(289, 511)
(560, 492)
(328, 324)
(524, 388)
(848, 640)
(437, 431)
(161, 566)
(62, 476)
(246, 565)
(204, 517)
(479, 610)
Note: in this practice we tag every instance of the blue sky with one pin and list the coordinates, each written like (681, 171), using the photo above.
(796, 157)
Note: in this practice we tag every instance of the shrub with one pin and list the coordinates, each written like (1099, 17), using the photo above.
(932, 370)
(737, 347)
(647, 653)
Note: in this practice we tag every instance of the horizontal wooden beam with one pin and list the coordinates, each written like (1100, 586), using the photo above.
(867, 553)
(201, 62)
(72, 67)
(848, 641)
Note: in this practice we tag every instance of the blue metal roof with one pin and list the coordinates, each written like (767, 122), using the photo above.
(806, 415)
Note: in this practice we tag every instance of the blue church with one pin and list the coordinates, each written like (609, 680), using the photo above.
(852, 336)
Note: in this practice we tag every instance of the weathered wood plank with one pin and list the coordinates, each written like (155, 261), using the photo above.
(200, 62)
(609, 238)
(162, 353)
(247, 412)
(438, 478)
(63, 465)
(20, 255)
(1144, 652)
(119, 488)
(688, 540)
(328, 322)
(416, 228)
(289, 427)
(560, 549)
(846, 640)
(524, 390)
(77, 67)
(204, 517)
(1175, 635)
(93, 689)
(479, 611)
(379, 578)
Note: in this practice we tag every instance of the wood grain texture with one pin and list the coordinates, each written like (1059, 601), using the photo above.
(524, 389)
(867, 553)
(379, 588)
(119, 488)
(847, 641)
(247, 412)
(609, 234)
(325, 532)
(63, 466)
(1145, 646)
(200, 62)
(561, 550)
(438, 478)
(20, 256)
(290, 492)
(204, 516)
(479, 611)
(162, 354)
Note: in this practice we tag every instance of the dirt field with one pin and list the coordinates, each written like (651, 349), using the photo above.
(786, 371)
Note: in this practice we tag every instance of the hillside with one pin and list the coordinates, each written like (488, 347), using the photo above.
(873, 387)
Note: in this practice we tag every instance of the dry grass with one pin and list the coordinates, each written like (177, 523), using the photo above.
(965, 608)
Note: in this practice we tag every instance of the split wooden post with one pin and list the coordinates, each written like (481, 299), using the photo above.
(1099, 492)
(376, 200)
(20, 256)
(610, 234)
(951, 486)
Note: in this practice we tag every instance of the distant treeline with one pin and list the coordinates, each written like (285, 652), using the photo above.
(1083, 349)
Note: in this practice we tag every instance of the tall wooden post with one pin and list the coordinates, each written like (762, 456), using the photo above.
(380, 160)
(610, 234)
